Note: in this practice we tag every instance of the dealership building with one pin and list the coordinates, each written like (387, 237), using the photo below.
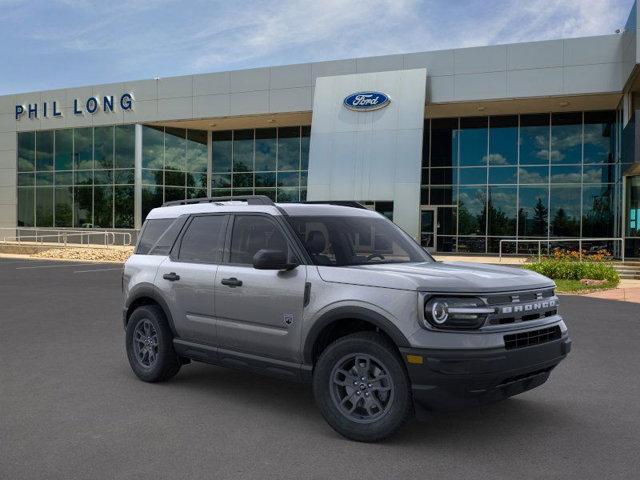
(462, 148)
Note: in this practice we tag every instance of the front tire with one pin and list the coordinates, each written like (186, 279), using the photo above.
(150, 345)
(362, 388)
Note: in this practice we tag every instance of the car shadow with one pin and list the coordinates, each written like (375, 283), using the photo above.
(511, 420)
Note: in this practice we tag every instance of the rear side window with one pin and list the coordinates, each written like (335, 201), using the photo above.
(151, 232)
(167, 239)
(203, 240)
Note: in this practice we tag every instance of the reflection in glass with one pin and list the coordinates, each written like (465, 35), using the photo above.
(243, 150)
(221, 151)
(305, 132)
(444, 142)
(471, 211)
(473, 176)
(64, 149)
(152, 147)
(103, 207)
(26, 151)
(197, 151)
(266, 149)
(125, 146)
(473, 141)
(534, 175)
(82, 206)
(533, 213)
(565, 211)
(44, 150)
(175, 149)
(123, 206)
(83, 148)
(503, 140)
(26, 205)
(44, 206)
(288, 148)
(597, 211)
(566, 138)
(599, 141)
(534, 139)
(501, 210)
(103, 147)
(571, 174)
(502, 175)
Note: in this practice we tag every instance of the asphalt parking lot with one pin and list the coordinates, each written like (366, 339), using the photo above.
(71, 408)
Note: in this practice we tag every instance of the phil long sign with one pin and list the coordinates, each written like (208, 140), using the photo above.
(366, 101)
(91, 105)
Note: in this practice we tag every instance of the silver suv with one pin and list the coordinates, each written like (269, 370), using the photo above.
(339, 296)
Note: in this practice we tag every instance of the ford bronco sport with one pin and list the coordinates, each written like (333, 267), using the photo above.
(339, 296)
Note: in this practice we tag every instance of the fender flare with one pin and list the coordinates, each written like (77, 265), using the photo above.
(148, 290)
(351, 312)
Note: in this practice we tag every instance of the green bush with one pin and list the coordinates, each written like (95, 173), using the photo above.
(570, 270)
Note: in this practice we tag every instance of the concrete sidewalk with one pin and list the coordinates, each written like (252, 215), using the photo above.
(627, 291)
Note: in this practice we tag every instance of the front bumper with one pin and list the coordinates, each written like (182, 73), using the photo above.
(453, 379)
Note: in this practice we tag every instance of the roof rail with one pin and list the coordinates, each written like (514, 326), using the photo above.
(250, 199)
(342, 203)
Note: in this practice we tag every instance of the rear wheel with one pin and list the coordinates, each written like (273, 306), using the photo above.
(362, 388)
(150, 345)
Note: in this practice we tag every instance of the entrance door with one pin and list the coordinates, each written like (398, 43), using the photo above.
(428, 223)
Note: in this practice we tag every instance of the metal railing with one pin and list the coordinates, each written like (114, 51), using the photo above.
(82, 238)
(549, 242)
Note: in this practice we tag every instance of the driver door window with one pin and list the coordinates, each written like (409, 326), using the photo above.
(252, 233)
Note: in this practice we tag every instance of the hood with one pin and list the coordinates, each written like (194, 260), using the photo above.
(447, 277)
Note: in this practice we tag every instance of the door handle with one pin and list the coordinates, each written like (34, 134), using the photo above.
(172, 277)
(231, 282)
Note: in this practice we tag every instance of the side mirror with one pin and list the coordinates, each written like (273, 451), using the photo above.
(272, 260)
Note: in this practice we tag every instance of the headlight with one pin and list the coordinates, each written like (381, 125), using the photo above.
(460, 313)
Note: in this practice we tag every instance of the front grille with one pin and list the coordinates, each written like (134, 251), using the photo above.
(533, 337)
(522, 306)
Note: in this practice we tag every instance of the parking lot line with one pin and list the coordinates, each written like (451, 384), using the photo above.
(53, 266)
(97, 270)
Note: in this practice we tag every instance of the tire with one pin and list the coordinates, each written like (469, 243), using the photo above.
(152, 357)
(384, 403)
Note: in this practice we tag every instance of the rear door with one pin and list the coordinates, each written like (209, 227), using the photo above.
(259, 311)
(187, 277)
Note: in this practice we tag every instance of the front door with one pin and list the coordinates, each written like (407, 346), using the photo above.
(428, 225)
(258, 311)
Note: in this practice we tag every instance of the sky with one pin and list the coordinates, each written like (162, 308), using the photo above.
(48, 44)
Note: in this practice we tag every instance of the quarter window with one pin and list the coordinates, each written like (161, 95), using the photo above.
(204, 239)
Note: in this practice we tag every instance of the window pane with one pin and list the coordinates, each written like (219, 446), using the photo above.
(174, 193)
(197, 152)
(26, 202)
(304, 148)
(473, 176)
(566, 138)
(534, 139)
(471, 211)
(288, 179)
(63, 178)
(498, 175)
(176, 179)
(82, 206)
(473, 141)
(175, 149)
(252, 233)
(64, 149)
(566, 174)
(444, 148)
(266, 179)
(152, 177)
(565, 211)
(152, 147)
(597, 211)
(44, 179)
(203, 239)
(443, 196)
(503, 140)
(242, 180)
(221, 151)
(151, 232)
(44, 150)
(502, 210)
(103, 177)
(44, 207)
(221, 181)
(64, 206)
(103, 147)
(605, 173)
(443, 176)
(287, 195)
(83, 177)
(599, 139)
(197, 179)
(533, 214)
(26, 179)
(288, 148)
(103, 207)
(151, 198)
(265, 149)
(124, 206)
(196, 192)
(243, 150)
(534, 175)
(83, 148)
(26, 151)
(125, 146)
(123, 176)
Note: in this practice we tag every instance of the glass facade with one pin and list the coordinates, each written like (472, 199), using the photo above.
(539, 176)
(77, 177)
(265, 161)
(174, 165)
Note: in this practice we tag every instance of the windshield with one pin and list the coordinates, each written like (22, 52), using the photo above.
(344, 240)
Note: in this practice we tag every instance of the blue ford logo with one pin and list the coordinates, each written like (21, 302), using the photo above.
(366, 101)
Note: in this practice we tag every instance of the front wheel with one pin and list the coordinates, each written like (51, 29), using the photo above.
(362, 387)
(150, 345)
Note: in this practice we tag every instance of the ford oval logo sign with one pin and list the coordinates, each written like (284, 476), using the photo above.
(366, 101)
